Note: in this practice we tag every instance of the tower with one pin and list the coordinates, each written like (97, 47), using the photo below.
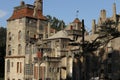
(20, 43)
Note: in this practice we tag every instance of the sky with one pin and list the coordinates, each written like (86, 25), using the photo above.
(64, 9)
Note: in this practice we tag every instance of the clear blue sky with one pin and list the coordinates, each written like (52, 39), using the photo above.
(64, 9)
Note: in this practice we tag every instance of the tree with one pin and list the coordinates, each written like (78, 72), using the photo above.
(107, 31)
(56, 23)
(2, 49)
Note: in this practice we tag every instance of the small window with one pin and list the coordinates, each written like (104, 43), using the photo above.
(20, 67)
(9, 49)
(19, 35)
(19, 49)
(17, 67)
(8, 65)
(9, 36)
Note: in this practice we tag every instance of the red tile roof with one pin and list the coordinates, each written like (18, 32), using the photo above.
(26, 12)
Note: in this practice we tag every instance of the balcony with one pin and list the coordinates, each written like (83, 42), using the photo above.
(52, 59)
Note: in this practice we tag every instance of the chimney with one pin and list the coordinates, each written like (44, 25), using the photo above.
(38, 6)
(22, 3)
(114, 12)
(93, 26)
(103, 15)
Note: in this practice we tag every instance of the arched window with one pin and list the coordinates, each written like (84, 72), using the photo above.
(19, 35)
(9, 36)
(9, 50)
(8, 65)
(19, 49)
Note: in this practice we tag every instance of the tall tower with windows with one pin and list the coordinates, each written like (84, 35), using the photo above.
(21, 34)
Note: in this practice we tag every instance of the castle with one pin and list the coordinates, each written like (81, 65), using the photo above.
(35, 51)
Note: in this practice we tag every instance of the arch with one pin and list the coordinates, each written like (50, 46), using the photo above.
(42, 65)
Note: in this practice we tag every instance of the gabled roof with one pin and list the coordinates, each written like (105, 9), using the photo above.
(60, 34)
(26, 11)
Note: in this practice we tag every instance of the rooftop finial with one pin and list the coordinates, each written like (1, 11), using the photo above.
(77, 13)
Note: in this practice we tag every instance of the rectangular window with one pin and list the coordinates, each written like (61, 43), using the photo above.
(17, 67)
(29, 69)
(8, 65)
(20, 67)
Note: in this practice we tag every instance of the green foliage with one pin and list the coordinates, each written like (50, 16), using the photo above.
(56, 23)
(2, 49)
(2, 41)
